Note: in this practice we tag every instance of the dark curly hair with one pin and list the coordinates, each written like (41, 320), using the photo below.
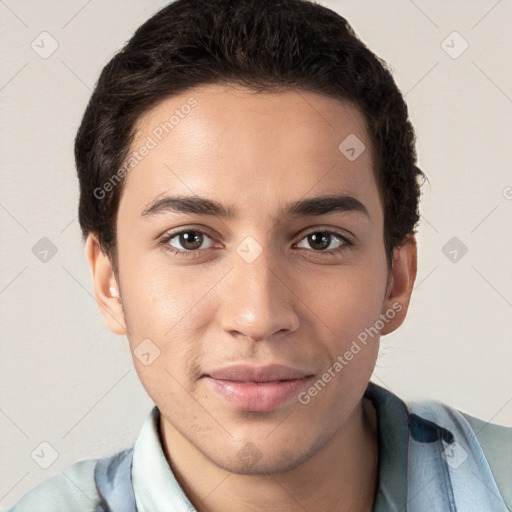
(262, 44)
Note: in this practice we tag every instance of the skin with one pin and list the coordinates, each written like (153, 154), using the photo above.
(293, 305)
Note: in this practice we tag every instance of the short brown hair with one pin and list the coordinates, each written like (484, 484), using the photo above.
(261, 44)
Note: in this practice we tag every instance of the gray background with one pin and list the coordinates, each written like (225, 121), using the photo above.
(67, 381)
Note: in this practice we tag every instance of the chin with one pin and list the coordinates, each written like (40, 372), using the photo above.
(249, 460)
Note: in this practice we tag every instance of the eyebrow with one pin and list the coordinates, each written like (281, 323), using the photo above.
(314, 206)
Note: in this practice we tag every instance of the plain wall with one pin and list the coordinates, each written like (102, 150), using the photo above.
(65, 379)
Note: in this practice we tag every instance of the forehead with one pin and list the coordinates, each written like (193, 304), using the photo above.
(225, 141)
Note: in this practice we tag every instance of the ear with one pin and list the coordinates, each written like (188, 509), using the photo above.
(106, 288)
(401, 282)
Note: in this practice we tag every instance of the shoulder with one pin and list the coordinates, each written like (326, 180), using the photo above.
(74, 488)
(496, 443)
(488, 445)
(491, 435)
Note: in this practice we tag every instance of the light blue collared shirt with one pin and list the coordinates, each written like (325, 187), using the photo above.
(431, 458)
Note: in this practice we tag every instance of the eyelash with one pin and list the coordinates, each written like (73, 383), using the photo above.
(164, 242)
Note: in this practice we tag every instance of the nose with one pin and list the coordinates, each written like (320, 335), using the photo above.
(259, 299)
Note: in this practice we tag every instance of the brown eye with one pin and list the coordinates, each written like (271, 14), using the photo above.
(322, 240)
(190, 240)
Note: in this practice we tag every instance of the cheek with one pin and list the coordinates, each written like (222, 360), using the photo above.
(348, 305)
(166, 350)
(164, 307)
(161, 299)
(349, 300)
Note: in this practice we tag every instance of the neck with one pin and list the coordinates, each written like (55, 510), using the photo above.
(341, 476)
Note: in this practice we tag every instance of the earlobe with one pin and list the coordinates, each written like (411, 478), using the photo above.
(105, 286)
(403, 275)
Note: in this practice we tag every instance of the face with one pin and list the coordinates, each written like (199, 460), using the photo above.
(252, 271)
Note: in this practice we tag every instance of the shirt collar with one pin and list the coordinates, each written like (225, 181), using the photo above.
(154, 484)
(392, 418)
(156, 488)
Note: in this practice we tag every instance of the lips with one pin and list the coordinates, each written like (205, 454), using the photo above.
(253, 388)
(246, 373)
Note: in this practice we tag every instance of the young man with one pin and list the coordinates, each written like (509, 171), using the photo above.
(249, 197)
